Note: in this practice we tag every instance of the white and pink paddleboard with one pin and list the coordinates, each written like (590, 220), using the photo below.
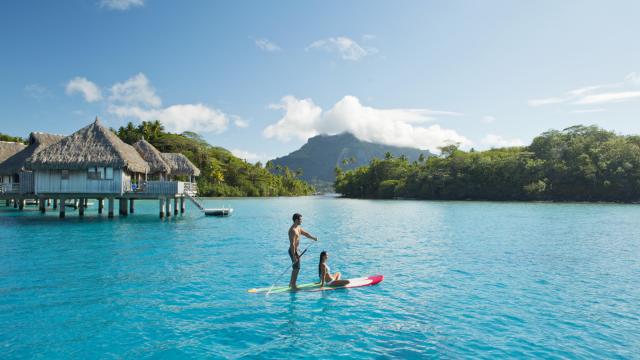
(353, 283)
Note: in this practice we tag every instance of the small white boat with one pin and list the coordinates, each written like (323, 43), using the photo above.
(218, 212)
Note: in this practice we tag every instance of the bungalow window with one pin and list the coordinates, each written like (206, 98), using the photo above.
(100, 173)
(93, 173)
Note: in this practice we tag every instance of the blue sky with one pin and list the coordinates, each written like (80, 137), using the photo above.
(260, 77)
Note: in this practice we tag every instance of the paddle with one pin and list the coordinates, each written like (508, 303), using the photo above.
(290, 266)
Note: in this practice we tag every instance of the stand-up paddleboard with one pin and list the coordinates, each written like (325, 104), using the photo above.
(353, 283)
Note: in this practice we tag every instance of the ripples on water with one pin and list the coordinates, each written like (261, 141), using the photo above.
(462, 279)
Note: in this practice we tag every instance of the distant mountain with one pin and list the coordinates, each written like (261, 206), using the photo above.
(321, 154)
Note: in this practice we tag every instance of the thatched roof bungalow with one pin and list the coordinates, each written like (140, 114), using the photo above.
(91, 160)
(8, 149)
(38, 141)
(180, 165)
(158, 166)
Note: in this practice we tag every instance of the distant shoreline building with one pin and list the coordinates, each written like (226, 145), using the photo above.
(93, 163)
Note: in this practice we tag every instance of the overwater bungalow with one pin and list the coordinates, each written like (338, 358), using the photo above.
(17, 180)
(180, 166)
(7, 150)
(159, 169)
(93, 163)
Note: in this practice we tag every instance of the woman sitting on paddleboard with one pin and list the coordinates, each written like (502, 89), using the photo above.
(325, 273)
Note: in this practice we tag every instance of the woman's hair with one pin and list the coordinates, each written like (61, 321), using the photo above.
(323, 255)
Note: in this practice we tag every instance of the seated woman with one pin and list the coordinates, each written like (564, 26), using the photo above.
(325, 273)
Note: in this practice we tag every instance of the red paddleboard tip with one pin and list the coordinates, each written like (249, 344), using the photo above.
(375, 279)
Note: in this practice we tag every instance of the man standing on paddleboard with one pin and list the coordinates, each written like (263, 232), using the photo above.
(294, 240)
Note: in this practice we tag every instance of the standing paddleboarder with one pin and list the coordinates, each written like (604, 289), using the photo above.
(294, 240)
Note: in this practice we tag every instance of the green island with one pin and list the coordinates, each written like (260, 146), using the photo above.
(223, 174)
(579, 163)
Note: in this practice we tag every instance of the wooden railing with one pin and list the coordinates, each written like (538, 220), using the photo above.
(10, 188)
(161, 187)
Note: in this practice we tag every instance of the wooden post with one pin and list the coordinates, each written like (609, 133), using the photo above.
(15, 203)
(123, 207)
(61, 208)
(168, 207)
(55, 204)
(175, 206)
(81, 205)
(48, 202)
(21, 204)
(42, 206)
(110, 208)
(161, 202)
(131, 207)
(100, 205)
(182, 205)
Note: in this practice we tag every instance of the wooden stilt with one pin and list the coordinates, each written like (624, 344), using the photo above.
(175, 206)
(123, 207)
(81, 205)
(62, 208)
(110, 208)
(161, 202)
(100, 205)
(55, 204)
(182, 205)
(168, 207)
(15, 203)
(21, 204)
(131, 207)
(43, 206)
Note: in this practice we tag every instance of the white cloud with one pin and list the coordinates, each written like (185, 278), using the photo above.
(493, 140)
(266, 45)
(239, 122)
(611, 97)
(488, 119)
(547, 101)
(36, 91)
(136, 98)
(135, 91)
(250, 156)
(88, 89)
(179, 118)
(400, 127)
(121, 4)
(347, 48)
(586, 111)
(596, 94)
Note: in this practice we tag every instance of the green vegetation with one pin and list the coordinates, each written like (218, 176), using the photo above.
(580, 163)
(222, 173)
(4, 137)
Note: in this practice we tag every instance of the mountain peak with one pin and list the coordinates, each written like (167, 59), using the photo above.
(322, 153)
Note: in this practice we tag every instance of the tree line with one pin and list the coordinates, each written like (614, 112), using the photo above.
(580, 163)
(222, 173)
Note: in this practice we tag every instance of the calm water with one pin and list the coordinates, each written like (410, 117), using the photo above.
(462, 279)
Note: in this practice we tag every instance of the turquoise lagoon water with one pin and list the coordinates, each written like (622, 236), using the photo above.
(462, 279)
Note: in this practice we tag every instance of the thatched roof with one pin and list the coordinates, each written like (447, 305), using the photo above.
(93, 145)
(180, 164)
(8, 149)
(152, 156)
(37, 142)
